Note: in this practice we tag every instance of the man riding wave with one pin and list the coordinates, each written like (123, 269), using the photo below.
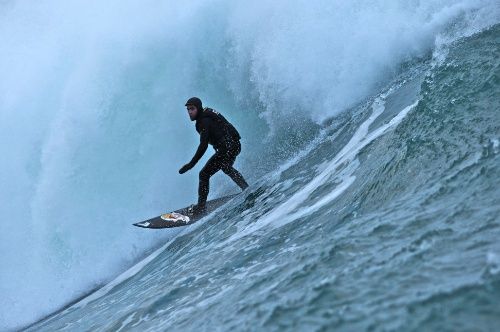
(215, 130)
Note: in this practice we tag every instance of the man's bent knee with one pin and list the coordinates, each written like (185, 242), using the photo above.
(227, 169)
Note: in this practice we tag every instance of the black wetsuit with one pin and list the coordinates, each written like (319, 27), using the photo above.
(214, 129)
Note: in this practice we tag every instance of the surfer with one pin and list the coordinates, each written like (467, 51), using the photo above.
(214, 129)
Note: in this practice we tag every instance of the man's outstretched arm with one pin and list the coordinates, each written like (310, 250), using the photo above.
(199, 152)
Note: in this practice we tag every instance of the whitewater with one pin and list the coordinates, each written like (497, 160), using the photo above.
(370, 139)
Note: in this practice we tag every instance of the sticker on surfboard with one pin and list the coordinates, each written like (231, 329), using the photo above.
(175, 217)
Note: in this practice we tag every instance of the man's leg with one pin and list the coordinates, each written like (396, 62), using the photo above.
(236, 176)
(227, 167)
(212, 166)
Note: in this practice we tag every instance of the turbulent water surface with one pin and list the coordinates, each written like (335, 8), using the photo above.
(372, 149)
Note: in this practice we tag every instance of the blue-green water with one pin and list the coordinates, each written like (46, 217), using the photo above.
(371, 139)
(388, 220)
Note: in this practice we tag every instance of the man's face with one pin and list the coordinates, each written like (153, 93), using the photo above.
(192, 111)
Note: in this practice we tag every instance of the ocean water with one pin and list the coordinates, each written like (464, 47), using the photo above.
(371, 139)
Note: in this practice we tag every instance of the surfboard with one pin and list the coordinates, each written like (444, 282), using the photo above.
(184, 216)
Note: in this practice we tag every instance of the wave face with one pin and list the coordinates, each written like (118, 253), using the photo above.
(370, 134)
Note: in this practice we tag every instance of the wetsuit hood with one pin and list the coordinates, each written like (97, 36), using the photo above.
(196, 102)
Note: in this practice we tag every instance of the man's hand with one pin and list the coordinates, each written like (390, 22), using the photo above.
(185, 168)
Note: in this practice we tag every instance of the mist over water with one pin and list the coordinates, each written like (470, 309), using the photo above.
(94, 128)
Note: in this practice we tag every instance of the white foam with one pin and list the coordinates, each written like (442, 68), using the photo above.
(493, 263)
(288, 211)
